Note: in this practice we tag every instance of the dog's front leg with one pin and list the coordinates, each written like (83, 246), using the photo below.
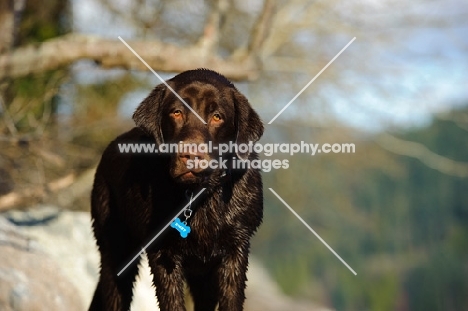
(232, 278)
(169, 280)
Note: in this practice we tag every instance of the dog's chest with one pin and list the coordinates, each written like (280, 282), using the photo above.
(206, 239)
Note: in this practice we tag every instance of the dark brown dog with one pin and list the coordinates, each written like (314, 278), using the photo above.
(136, 195)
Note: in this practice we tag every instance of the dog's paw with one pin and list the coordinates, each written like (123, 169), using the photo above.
(181, 227)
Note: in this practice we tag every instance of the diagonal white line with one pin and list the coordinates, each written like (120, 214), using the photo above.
(159, 233)
(162, 80)
(310, 82)
(312, 230)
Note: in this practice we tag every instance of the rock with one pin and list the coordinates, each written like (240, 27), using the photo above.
(67, 238)
(29, 279)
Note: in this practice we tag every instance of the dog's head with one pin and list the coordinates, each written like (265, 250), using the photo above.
(227, 113)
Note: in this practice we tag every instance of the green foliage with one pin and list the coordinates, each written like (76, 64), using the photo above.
(43, 20)
(32, 99)
(97, 104)
(400, 224)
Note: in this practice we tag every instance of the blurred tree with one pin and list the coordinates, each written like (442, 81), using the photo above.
(399, 223)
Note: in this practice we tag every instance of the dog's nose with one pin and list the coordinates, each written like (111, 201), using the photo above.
(194, 157)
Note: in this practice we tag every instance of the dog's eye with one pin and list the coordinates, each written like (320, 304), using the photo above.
(216, 117)
(177, 113)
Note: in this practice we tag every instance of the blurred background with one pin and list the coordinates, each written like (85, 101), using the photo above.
(396, 210)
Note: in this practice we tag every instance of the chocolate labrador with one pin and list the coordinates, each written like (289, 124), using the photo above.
(137, 194)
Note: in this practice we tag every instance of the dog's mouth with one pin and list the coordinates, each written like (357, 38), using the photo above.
(187, 175)
(192, 176)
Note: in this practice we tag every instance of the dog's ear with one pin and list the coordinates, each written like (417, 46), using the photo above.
(249, 127)
(147, 116)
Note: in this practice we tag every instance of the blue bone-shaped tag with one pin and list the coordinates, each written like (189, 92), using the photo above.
(181, 227)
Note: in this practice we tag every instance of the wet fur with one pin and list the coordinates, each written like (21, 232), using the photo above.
(135, 195)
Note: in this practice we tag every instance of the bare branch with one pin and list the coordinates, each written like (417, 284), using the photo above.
(62, 191)
(9, 122)
(262, 27)
(210, 39)
(6, 25)
(35, 193)
(422, 153)
(286, 23)
(108, 53)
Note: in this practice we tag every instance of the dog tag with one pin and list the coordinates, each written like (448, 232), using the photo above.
(181, 227)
